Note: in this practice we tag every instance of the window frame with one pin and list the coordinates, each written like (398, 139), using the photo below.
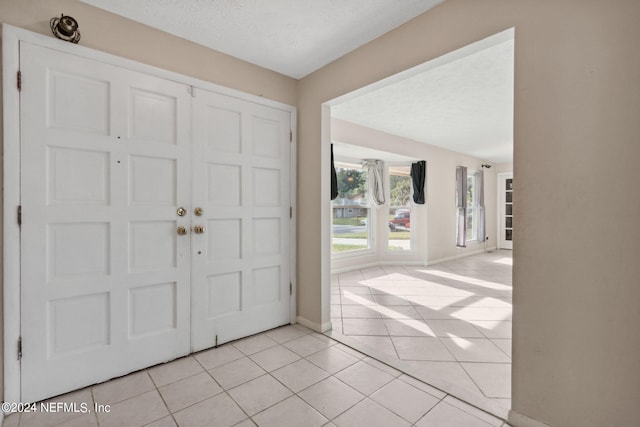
(371, 216)
(412, 211)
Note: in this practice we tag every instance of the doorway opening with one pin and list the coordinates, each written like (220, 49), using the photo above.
(438, 311)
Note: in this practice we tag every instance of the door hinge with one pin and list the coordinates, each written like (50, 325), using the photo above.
(216, 341)
(290, 212)
(290, 135)
(19, 215)
(191, 91)
(19, 348)
(290, 288)
(19, 75)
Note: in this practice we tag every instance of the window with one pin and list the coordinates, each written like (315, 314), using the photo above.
(351, 211)
(399, 208)
(472, 208)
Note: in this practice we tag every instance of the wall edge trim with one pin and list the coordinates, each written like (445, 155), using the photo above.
(318, 327)
(519, 420)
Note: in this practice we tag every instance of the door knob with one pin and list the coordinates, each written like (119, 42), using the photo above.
(199, 229)
(182, 230)
(181, 212)
(198, 211)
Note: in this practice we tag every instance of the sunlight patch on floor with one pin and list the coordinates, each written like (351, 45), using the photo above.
(470, 280)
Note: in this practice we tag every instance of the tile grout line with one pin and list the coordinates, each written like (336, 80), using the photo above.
(162, 397)
(93, 397)
(475, 293)
(276, 379)
(430, 409)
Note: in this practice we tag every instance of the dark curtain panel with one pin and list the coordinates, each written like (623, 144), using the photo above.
(418, 174)
(334, 178)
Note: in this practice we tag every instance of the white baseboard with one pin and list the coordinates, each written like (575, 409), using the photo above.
(469, 252)
(519, 420)
(375, 264)
(400, 262)
(354, 267)
(321, 328)
(463, 255)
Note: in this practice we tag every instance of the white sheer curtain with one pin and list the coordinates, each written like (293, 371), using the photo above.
(375, 175)
(482, 233)
(461, 203)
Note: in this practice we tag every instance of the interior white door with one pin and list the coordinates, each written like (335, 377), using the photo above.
(105, 161)
(240, 273)
(505, 192)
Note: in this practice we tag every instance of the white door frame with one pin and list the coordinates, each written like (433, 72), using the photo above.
(11, 38)
(502, 176)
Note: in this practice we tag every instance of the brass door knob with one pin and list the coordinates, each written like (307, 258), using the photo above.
(182, 230)
(181, 212)
(198, 211)
(199, 229)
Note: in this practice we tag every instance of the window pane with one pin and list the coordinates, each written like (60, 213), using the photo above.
(352, 184)
(471, 218)
(470, 228)
(350, 228)
(399, 219)
(350, 210)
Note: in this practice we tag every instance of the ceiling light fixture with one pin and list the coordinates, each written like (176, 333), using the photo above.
(65, 28)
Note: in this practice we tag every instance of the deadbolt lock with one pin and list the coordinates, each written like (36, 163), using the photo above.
(199, 229)
(198, 211)
(182, 230)
(181, 212)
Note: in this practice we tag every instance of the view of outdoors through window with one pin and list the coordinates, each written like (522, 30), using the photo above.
(351, 210)
(472, 206)
(400, 208)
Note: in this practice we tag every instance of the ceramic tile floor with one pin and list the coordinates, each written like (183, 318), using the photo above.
(288, 376)
(451, 319)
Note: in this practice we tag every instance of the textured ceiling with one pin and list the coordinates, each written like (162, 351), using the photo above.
(464, 105)
(292, 37)
(354, 153)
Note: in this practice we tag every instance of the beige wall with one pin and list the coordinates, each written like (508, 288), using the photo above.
(503, 167)
(577, 102)
(110, 33)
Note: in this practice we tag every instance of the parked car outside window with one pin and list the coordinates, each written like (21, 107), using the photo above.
(402, 219)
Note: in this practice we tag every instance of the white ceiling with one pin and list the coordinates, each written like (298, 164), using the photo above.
(464, 105)
(355, 154)
(292, 37)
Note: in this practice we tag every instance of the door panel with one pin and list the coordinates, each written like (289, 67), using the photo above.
(105, 277)
(108, 156)
(240, 273)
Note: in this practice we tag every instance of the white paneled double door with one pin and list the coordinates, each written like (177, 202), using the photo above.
(155, 220)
